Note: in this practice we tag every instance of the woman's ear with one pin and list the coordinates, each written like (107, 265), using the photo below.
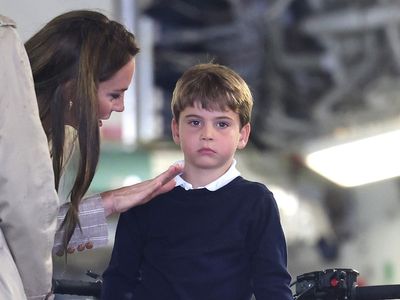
(71, 106)
(175, 131)
(244, 136)
(68, 89)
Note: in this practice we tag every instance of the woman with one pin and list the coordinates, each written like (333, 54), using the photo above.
(82, 63)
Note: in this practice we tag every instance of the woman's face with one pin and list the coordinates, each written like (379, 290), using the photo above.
(111, 92)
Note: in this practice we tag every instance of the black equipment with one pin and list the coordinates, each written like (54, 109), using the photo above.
(340, 284)
(79, 287)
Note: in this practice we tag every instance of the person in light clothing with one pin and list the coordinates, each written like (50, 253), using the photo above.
(28, 200)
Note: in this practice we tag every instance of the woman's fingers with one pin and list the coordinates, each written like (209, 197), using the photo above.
(170, 174)
(165, 181)
(122, 199)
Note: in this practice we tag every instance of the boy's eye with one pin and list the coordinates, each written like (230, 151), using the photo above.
(222, 124)
(194, 122)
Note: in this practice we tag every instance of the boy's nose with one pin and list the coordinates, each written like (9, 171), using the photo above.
(206, 138)
(207, 133)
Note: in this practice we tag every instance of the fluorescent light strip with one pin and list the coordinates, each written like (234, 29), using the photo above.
(360, 162)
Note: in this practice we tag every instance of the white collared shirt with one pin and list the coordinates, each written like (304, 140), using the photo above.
(229, 175)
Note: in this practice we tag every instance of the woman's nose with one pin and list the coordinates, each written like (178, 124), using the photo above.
(119, 106)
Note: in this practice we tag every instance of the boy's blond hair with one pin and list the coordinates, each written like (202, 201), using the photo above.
(215, 87)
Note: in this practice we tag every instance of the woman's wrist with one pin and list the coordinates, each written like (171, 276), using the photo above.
(107, 200)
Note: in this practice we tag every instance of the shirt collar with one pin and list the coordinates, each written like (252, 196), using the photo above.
(227, 177)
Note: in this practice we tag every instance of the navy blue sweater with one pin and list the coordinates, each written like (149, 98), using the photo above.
(198, 244)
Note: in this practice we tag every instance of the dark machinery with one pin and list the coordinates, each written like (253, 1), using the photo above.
(340, 284)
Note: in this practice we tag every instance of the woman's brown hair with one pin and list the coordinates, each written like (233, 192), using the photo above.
(69, 57)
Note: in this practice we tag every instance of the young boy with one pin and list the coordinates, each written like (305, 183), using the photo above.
(216, 235)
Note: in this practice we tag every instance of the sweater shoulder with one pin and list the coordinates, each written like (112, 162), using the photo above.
(162, 199)
(250, 186)
(255, 193)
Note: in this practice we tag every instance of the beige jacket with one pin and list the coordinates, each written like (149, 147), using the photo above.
(28, 201)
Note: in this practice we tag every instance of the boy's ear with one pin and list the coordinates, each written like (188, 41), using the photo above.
(244, 136)
(175, 131)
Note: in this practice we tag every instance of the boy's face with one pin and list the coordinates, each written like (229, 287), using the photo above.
(209, 139)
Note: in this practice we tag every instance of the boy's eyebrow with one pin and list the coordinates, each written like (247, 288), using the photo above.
(192, 116)
(198, 116)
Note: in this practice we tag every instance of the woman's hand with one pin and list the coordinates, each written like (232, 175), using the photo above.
(122, 199)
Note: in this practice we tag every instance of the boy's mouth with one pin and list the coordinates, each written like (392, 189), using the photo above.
(206, 151)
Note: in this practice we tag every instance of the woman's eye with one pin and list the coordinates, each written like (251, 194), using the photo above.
(115, 96)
